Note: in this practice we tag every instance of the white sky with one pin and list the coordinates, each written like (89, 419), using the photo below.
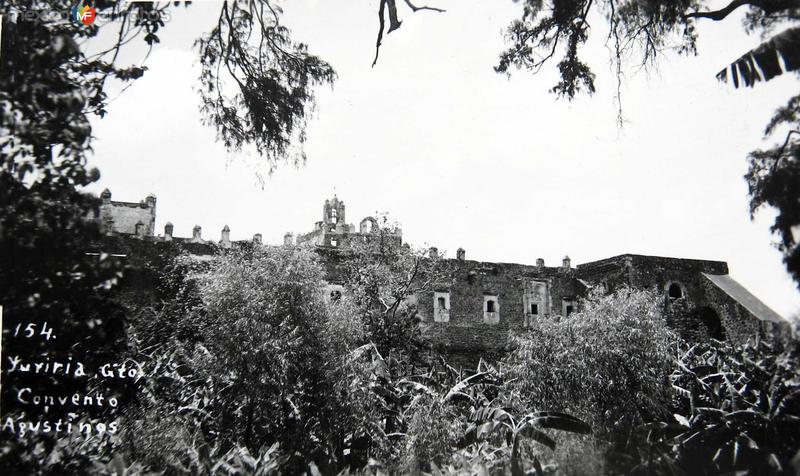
(463, 156)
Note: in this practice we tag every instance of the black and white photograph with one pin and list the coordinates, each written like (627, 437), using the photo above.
(391, 237)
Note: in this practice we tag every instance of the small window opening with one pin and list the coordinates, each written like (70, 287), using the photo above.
(675, 291)
(570, 308)
(335, 295)
(441, 302)
(334, 242)
(534, 309)
(489, 306)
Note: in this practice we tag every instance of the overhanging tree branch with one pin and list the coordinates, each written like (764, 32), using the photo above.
(424, 7)
(394, 21)
(722, 13)
(768, 6)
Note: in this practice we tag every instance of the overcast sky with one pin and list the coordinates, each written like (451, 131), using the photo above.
(463, 156)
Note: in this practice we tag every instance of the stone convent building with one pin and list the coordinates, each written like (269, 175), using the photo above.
(480, 302)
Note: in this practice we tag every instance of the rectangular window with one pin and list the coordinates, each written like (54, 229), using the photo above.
(535, 301)
(491, 310)
(441, 306)
(568, 306)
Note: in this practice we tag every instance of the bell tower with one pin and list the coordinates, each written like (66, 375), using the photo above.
(333, 213)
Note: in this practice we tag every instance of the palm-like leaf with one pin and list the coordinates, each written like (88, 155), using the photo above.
(528, 431)
(765, 60)
(558, 421)
(458, 388)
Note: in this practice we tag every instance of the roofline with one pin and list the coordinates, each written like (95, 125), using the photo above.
(634, 255)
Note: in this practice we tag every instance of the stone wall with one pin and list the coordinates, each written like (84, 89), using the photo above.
(128, 217)
(455, 313)
(640, 271)
(702, 311)
(470, 284)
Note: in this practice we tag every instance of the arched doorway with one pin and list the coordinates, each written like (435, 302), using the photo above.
(708, 319)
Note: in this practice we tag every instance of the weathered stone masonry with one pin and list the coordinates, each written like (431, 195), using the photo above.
(476, 304)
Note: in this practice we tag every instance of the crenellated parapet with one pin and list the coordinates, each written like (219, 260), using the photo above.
(475, 304)
(129, 218)
(136, 220)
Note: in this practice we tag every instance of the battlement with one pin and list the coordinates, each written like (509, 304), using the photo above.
(475, 303)
(137, 220)
(128, 218)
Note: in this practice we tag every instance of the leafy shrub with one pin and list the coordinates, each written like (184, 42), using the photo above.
(491, 423)
(245, 374)
(608, 364)
(737, 409)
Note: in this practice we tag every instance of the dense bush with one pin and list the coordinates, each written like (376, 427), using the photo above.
(608, 364)
(737, 409)
(250, 368)
(49, 282)
(658, 405)
(250, 375)
(271, 369)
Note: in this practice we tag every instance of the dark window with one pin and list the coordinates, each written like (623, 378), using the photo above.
(712, 323)
(489, 306)
(534, 309)
(335, 295)
(675, 291)
(570, 309)
(442, 303)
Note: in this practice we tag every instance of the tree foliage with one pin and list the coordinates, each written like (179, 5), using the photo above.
(608, 364)
(381, 276)
(773, 179)
(272, 367)
(257, 83)
(492, 421)
(642, 31)
(737, 410)
(274, 76)
(548, 29)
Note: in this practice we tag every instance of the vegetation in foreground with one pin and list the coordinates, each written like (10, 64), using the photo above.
(250, 369)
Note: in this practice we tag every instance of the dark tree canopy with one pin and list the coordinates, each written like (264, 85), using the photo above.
(641, 31)
(51, 84)
(257, 83)
(274, 77)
